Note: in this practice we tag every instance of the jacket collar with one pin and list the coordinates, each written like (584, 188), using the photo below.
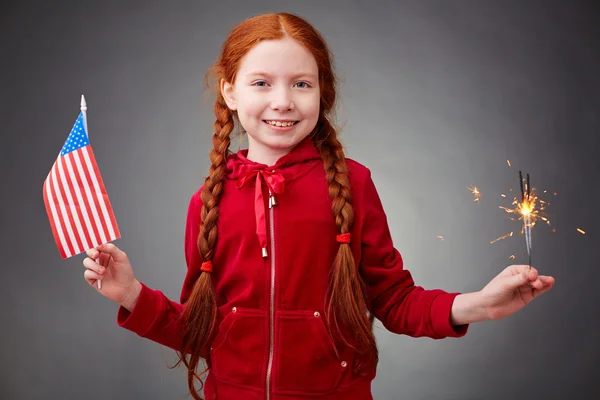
(245, 171)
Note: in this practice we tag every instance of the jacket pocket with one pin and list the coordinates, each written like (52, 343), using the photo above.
(307, 360)
(238, 351)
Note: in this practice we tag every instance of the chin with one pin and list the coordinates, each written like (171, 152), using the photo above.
(281, 143)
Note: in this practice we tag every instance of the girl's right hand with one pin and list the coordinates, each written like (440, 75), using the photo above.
(115, 272)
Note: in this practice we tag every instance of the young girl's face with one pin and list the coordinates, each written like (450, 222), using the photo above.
(276, 95)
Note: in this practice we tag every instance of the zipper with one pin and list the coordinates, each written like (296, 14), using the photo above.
(272, 304)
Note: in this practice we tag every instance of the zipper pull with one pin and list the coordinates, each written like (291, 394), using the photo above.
(264, 252)
(272, 202)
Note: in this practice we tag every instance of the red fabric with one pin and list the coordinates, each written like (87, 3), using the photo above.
(305, 361)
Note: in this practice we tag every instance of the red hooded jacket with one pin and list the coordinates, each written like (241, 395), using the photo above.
(272, 342)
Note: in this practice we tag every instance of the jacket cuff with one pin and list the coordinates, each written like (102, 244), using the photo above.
(440, 317)
(143, 314)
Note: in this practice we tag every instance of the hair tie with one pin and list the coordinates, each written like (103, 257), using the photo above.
(343, 238)
(206, 266)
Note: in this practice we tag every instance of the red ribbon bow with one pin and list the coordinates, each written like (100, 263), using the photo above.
(275, 183)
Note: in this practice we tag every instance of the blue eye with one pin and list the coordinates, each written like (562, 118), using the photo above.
(259, 83)
(304, 83)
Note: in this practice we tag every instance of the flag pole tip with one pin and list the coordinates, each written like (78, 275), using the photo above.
(83, 104)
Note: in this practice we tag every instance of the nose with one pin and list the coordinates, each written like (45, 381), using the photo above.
(282, 100)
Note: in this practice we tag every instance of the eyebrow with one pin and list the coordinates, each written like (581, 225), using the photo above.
(302, 74)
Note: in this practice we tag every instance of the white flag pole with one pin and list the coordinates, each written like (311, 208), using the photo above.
(83, 112)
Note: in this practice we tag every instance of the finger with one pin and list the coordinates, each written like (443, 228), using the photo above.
(537, 284)
(91, 277)
(542, 282)
(92, 253)
(538, 292)
(116, 253)
(547, 280)
(548, 283)
(93, 265)
(517, 280)
(531, 272)
(516, 269)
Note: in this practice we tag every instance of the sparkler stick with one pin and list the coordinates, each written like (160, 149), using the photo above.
(521, 183)
(526, 209)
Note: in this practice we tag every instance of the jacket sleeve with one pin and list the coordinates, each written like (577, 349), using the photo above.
(391, 294)
(156, 317)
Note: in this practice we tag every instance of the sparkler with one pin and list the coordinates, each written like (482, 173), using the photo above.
(529, 209)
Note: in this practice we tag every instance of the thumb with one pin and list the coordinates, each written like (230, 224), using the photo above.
(116, 253)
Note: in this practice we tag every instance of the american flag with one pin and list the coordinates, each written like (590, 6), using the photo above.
(78, 208)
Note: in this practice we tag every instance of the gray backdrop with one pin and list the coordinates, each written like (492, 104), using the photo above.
(435, 97)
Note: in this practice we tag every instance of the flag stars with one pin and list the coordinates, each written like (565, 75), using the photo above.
(77, 138)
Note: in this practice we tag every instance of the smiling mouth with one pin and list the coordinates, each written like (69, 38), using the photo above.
(280, 123)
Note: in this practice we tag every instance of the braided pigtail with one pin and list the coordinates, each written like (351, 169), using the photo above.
(200, 312)
(346, 302)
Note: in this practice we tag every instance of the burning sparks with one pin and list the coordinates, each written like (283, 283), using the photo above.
(581, 231)
(476, 193)
(508, 162)
(501, 238)
(529, 210)
(440, 237)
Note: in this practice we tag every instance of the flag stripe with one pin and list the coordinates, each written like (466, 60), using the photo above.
(71, 211)
(82, 212)
(57, 232)
(91, 197)
(88, 201)
(95, 175)
(75, 205)
(61, 212)
(96, 197)
(113, 222)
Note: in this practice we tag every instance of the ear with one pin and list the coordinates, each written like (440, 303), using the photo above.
(228, 94)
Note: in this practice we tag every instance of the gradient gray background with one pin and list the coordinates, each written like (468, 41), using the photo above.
(435, 96)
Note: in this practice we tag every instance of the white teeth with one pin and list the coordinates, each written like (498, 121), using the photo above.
(279, 123)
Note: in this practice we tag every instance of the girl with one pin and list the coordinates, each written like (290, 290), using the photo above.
(289, 255)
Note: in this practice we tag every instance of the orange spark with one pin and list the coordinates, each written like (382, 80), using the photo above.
(476, 192)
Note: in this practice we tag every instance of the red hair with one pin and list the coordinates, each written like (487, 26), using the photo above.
(346, 308)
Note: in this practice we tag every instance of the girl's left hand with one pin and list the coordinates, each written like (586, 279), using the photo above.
(513, 289)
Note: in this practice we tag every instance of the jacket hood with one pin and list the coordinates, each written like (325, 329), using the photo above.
(238, 165)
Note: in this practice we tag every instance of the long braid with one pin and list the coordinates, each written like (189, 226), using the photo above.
(346, 303)
(200, 313)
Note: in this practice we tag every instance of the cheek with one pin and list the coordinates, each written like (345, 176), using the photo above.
(250, 110)
(310, 107)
